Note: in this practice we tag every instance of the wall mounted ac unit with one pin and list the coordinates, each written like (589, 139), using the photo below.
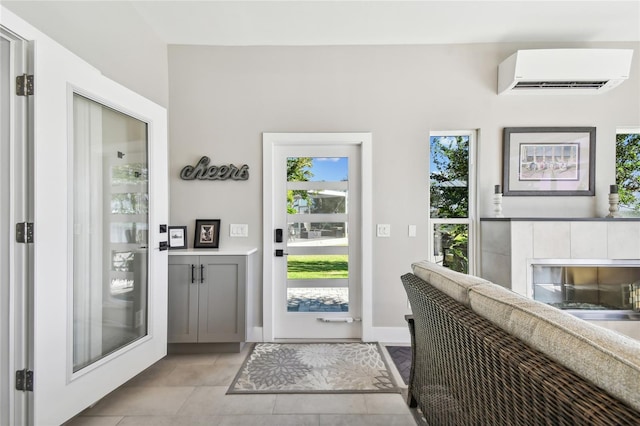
(564, 71)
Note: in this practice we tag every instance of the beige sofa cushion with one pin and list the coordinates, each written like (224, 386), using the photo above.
(602, 356)
(454, 284)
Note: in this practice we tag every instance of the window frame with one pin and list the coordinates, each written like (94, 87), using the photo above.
(471, 219)
(622, 131)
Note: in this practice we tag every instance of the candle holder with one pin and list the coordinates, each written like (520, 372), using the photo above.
(614, 209)
(497, 205)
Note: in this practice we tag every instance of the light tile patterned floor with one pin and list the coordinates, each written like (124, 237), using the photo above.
(189, 390)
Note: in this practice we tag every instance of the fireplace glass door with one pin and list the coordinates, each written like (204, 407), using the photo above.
(587, 287)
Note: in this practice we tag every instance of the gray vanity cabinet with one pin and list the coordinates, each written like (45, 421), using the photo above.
(207, 298)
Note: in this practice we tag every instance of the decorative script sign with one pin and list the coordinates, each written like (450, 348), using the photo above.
(203, 171)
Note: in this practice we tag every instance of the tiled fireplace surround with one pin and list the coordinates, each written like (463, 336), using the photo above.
(511, 245)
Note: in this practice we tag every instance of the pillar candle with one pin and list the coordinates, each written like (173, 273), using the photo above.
(613, 189)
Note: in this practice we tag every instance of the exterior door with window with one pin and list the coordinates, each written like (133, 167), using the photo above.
(315, 239)
(98, 305)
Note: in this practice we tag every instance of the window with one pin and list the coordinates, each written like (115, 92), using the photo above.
(628, 171)
(451, 199)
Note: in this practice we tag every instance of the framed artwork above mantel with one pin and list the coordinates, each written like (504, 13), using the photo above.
(539, 161)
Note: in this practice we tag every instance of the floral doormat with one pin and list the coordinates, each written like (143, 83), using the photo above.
(314, 368)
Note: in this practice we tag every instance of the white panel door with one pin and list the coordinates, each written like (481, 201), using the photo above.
(99, 300)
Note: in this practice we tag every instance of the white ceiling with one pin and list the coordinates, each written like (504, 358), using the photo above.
(330, 22)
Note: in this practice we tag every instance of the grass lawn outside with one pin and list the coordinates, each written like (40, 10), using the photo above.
(317, 266)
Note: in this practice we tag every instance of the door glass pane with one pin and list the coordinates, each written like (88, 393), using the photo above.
(110, 231)
(317, 201)
(317, 207)
(318, 299)
(317, 169)
(317, 234)
(449, 176)
(451, 246)
(324, 266)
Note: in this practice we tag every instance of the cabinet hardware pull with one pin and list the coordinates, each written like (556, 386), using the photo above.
(193, 273)
(202, 274)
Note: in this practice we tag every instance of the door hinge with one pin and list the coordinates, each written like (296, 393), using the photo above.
(24, 232)
(24, 85)
(24, 380)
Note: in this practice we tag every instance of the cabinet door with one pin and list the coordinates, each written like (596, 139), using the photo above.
(222, 299)
(184, 280)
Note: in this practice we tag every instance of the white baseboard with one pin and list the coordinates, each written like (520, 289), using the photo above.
(254, 334)
(379, 334)
(392, 335)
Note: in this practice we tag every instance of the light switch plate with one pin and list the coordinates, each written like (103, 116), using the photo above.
(384, 230)
(412, 231)
(238, 230)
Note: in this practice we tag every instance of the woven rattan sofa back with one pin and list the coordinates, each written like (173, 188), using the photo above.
(468, 371)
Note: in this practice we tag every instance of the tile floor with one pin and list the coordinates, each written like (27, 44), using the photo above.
(190, 390)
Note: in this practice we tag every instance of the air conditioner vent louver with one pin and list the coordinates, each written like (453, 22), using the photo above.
(564, 71)
(559, 85)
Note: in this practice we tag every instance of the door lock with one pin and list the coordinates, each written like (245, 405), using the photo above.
(280, 253)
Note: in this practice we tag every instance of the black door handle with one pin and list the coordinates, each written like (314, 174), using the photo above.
(201, 274)
(193, 274)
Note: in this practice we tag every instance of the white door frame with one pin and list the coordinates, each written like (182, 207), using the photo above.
(270, 142)
(17, 174)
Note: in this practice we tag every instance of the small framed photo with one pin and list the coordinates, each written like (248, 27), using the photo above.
(177, 237)
(549, 161)
(207, 233)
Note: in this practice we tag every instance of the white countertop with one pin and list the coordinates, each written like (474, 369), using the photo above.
(213, 252)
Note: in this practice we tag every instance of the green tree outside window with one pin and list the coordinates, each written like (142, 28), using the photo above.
(628, 173)
(449, 197)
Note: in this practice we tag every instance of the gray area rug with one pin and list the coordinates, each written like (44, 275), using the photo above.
(314, 368)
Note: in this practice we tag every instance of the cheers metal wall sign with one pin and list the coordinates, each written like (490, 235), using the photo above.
(203, 171)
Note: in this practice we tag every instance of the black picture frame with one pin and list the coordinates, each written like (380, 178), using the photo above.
(177, 237)
(207, 233)
(549, 161)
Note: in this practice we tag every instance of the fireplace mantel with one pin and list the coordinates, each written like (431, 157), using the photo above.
(510, 245)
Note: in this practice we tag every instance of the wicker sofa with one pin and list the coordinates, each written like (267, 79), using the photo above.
(483, 355)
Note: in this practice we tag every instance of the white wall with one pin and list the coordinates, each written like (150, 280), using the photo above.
(223, 98)
(111, 36)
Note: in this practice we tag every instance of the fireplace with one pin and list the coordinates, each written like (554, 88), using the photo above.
(590, 289)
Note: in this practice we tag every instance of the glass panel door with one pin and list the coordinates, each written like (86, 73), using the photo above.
(111, 217)
(97, 308)
(317, 227)
(318, 285)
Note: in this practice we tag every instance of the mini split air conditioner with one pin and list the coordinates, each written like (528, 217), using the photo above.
(564, 71)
